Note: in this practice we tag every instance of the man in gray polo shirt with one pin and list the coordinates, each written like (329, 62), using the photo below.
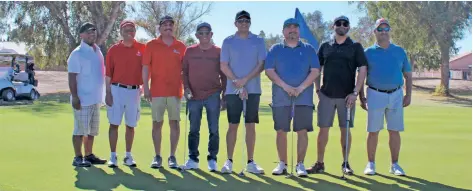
(242, 60)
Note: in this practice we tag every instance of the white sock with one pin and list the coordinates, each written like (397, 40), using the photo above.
(128, 154)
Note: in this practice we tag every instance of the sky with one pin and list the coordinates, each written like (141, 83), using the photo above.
(269, 17)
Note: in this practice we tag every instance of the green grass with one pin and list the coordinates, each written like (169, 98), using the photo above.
(36, 153)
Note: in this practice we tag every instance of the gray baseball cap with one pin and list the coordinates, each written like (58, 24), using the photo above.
(204, 24)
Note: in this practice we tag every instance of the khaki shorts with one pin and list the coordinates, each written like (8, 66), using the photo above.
(171, 104)
(86, 120)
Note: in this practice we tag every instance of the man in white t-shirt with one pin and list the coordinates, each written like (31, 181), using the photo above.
(86, 82)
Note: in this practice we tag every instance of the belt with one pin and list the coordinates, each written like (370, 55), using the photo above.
(126, 86)
(385, 91)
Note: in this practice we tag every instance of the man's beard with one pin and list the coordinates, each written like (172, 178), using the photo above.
(341, 32)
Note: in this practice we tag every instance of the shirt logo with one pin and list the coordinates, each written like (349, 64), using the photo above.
(176, 51)
(138, 53)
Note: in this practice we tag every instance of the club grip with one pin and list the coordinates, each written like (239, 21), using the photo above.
(348, 114)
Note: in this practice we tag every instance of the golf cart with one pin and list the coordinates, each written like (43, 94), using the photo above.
(15, 83)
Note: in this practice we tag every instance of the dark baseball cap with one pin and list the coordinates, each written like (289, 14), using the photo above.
(166, 18)
(204, 24)
(290, 21)
(381, 21)
(86, 26)
(127, 22)
(341, 18)
(242, 13)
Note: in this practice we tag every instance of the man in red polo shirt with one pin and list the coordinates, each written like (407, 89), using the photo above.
(123, 80)
(162, 60)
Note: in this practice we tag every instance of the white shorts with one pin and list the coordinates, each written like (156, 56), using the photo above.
(125, 101)
(86, 120)
(383, 105)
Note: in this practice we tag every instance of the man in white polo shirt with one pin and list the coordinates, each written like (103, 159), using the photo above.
(86, 83)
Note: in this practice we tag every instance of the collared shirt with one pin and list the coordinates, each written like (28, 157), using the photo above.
(88, 64)
(340, 63)
(123, 64)
(293, 66)
(201, 72)
(386, 66)
(165, 67)
(243, 56)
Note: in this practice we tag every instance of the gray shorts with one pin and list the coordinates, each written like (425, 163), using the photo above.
(326, 111)
(303, 117)
(383, 105)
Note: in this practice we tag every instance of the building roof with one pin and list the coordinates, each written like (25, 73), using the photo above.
(461, 62)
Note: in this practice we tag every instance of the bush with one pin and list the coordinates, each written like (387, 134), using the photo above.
(440, 91)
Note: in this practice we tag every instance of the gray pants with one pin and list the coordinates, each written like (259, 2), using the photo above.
(326, 111)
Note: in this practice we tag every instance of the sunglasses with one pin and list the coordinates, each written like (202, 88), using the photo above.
(244, 21)
(339, 24)
(387, 29)
(203, 33)
(129, 30)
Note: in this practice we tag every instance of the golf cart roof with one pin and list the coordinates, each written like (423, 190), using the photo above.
(7, 56)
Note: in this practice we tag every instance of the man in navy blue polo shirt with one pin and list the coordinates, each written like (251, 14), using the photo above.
(292, 66)
(387, 65)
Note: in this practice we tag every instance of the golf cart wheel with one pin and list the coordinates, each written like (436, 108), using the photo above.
(33, 95)
(8, 95)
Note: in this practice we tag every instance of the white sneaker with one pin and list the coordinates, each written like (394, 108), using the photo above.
(370, 169)
(191, 164)
(396, 170)
(227, 167)
(300, 170)
(212, 165)
(280, 169)
(252, 167)
(112, 163)
(129, 161)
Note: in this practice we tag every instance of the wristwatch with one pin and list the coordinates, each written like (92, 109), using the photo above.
(355, 93)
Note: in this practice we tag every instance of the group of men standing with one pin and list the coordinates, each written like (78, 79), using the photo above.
(229, 78)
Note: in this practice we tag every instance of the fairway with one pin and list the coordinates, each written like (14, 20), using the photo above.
(36, 153)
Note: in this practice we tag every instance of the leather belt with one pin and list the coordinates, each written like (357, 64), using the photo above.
(126, 86)
(385, 91)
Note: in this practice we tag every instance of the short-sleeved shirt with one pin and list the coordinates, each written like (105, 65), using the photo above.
(201, 72)
(293, 66)
(165, 66)
(88, 64)
(386, 66)
(124, 64)
(340, 63)
(243, 56)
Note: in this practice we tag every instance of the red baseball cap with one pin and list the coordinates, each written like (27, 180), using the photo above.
(127, 22)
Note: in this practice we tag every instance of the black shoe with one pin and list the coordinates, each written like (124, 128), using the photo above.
(346, 169)
(80, 162)
(318, 167)
(94, 160)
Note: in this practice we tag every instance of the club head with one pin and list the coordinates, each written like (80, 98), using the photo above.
(344, 177)
(241, 174)
(181, 168)
(289, 176)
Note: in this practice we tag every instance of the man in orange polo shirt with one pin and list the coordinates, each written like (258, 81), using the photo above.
(123, 80)
(163, 61)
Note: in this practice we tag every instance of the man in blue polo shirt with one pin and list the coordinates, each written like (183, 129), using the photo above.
(292, 66)
(241, 60)
(387, 65)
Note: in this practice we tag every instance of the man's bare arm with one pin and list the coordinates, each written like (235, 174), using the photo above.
(317, 80)
(274, 77)
(314, 74)
(360, 80)
(227, 71)
(256, 71)
(145, 76)
(72, 77)
(408, 78)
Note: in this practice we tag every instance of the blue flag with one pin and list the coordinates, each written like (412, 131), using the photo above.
(305, 32)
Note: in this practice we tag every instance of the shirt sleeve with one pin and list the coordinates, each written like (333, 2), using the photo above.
(314, 59)
(109, 63)
(262, 50)
(360, 57)
(73, 64)
(320, 55)
(225, 52)
(270, 59)
(406, 66)
(147, 55)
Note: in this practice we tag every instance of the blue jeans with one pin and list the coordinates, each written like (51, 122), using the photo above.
(212, 107)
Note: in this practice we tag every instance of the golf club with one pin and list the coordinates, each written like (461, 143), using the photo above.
(346, 143)
(244, 133)
(292, 138)
(183, 166)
